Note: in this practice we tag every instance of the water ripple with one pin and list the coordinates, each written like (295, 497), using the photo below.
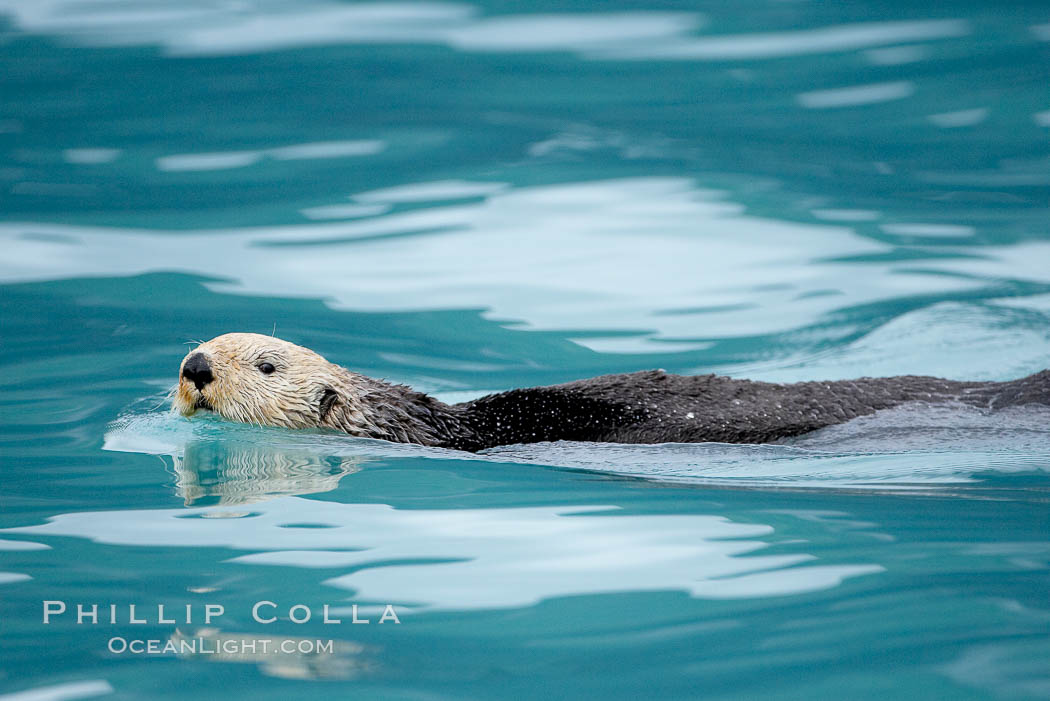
(602, 256)
(512, 556)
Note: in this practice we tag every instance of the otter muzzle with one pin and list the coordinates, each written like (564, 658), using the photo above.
(197, 370)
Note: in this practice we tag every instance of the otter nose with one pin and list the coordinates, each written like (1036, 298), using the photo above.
(197, 370)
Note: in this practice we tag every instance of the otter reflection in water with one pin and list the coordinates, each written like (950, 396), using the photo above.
(262, 380)
(282, 656)
(226, 473)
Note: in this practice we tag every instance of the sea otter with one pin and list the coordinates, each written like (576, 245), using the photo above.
(263, 380)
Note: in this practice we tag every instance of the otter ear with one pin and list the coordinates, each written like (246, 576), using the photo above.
(328, 399)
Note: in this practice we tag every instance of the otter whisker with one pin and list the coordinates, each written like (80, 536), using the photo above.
(168, 396)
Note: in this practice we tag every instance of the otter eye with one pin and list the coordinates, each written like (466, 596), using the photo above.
(266, 368)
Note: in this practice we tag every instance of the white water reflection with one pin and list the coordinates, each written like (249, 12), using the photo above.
(949, 339)
(846, 215)
(917, 229)
(897, 55)
(960, 118)
(344, 211)
(442, 190)
(657, 257)
(295, 152)
(62, 692)
(856, 95)
(821, 40)
(91, 156)
(466, 559)
(218, 27)
(12, 577)
(21, 545)
(212, 27)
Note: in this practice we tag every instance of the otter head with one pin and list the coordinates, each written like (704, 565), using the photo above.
(262, 380)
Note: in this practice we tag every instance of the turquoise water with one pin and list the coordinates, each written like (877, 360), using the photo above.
(469, 198)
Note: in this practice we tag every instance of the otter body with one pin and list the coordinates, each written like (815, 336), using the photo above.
(263, 380)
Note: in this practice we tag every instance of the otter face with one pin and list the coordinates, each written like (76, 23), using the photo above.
(261, 380)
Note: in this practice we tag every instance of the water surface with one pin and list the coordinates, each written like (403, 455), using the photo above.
(474, 197)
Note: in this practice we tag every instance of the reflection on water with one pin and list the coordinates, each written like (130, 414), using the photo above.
(793, 187)
(346, 659)
(225, 474)
(560, 257)
(1001, 341)
(487, 196)
(856, 95)
(219, 28)
(645, 256)
(64, 692)
(479, 558)
(1003, 669)
(216, 469)
(240, 159)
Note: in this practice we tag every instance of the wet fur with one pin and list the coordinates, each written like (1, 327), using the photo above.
(307, 391)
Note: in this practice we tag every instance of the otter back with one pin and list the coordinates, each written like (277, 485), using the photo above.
(655, 407)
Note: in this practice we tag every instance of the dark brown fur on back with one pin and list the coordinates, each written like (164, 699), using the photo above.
(655, 407)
